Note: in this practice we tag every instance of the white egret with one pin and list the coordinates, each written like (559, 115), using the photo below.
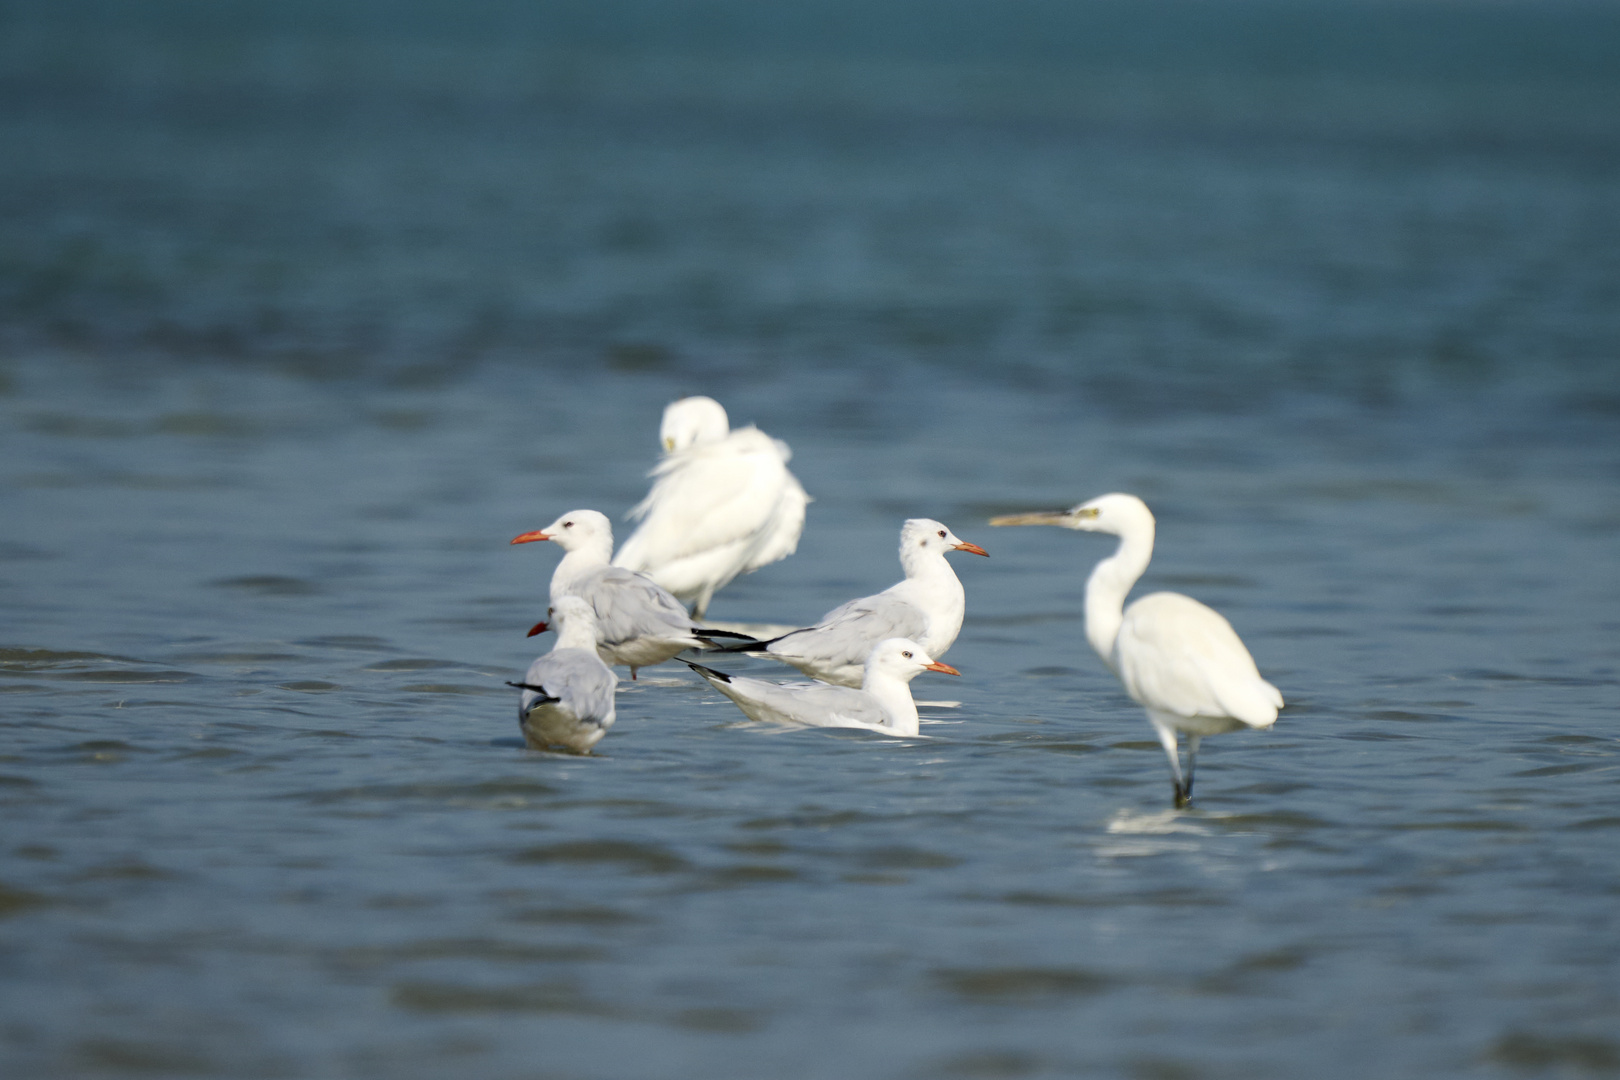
(926, 607)
(723, 503)
(1179, 660)
(568, 693)
(882, 704)
(638, 623)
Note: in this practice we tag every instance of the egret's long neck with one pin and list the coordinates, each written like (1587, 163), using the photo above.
(576, 634)
(1109, 584)
(588, 556)
(895, 697)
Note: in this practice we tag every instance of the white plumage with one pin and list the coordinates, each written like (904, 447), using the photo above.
(638, 623)
(723, 503)
(568, 698)
(927, 607)
(1179, 660)
(882, 704)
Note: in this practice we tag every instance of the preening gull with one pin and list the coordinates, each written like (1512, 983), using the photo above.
(1179, 660)
(883, 703)
(568, 693)
(927, 607)
(638, 624)
(723, 503)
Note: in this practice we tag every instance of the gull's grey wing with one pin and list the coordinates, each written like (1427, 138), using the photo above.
(630, 605)
(575, 677)
(816, 703)
(847, 633)
(835, 703)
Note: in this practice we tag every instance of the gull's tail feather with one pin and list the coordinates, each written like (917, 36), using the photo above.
(544, 696)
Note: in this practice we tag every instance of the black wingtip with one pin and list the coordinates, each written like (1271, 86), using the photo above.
(707, 671)
(748, 644)
(709, 631)
(537, 689)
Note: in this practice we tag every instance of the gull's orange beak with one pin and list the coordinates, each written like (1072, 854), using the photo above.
(963, 546)
(538, 628)
(531, 537)
(944, 669)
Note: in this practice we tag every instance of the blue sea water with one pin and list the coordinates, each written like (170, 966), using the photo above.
(306, 310)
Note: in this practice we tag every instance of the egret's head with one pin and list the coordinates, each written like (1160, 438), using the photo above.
(1114, 513)
(904, 659)
(926, 534)
(575, 529)
(692, 421)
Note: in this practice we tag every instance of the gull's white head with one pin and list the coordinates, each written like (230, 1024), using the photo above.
(574, 530)
(926, 534)
(1114, 513)
(692, 421)
(903, 659)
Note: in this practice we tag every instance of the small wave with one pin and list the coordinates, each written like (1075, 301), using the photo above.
(1159, 823)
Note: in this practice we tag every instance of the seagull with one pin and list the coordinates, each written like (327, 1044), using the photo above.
(568, 693)
(1179, 660)
(882, 704)
(638, 623)
(926, 607)
(723, 503)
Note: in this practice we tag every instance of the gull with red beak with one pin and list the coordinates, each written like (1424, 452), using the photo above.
(567, 699)
(927, 607)
(1179, 660)
(882, 704)
(638, 623)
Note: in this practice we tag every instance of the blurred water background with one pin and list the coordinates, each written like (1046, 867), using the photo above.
(307, 308)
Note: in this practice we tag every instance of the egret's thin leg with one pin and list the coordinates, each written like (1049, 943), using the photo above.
(1167, 738)
(1192, 762)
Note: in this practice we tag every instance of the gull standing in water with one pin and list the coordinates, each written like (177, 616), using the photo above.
(568, 693)
(926, 607)
(723, 503)
(638, 624)
(1179, 660)
(883, 703)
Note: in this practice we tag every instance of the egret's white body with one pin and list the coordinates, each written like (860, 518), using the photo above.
(638, 623)
(883, 703)
(927, 607)
(723, 503)
(1179, 660)
(568, 693)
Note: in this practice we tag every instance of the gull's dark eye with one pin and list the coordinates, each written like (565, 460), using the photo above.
(568, 524)
(907, 655)
(942, 534)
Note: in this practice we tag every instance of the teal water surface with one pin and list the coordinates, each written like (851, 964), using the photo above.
(296, 333)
